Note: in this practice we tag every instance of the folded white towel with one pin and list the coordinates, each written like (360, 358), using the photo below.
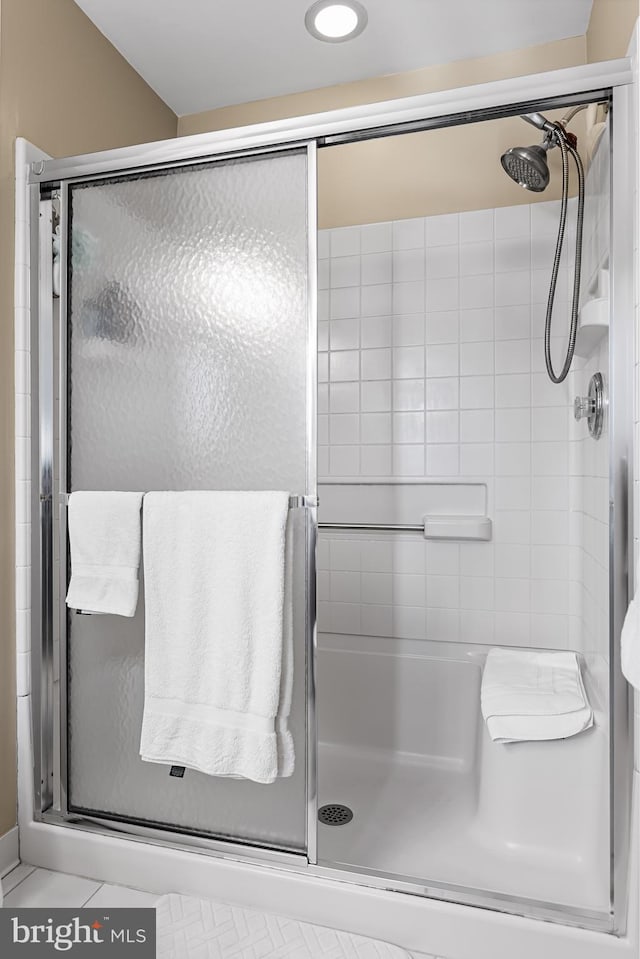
(533, 695)
(218, 669)
(104, 538)
(630, 643)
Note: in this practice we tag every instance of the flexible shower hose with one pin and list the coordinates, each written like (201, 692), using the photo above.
(566, 148)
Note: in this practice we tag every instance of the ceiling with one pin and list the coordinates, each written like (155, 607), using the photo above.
(202, 54)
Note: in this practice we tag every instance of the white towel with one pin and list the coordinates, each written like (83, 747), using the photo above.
(218, 672)
(630, 643)
(529, 695)
(104, 538)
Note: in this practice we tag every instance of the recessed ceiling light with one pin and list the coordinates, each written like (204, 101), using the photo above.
(335, 22)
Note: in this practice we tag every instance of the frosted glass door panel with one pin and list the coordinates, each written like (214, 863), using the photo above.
(187, 358)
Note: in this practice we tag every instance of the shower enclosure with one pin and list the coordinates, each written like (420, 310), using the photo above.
(207, 336)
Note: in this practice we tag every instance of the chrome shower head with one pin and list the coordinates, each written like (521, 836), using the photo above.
(528, 166)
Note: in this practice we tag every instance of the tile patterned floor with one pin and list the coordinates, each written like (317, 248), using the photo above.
(27, 886)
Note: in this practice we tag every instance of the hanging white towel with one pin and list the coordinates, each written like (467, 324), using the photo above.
(528, 695)
(218, 666)
(630, 643)
(104, 539)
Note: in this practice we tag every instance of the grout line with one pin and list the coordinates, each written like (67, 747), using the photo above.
(94, 893)
(9, 891)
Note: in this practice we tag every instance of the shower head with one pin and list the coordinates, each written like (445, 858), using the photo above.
(528, 166)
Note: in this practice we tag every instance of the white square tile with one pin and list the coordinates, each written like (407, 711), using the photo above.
(513, 459)
(476, 226)
(443, 591)
(375, 364)
(476, 359)
(550, 459)
(13, 878)
(443, 625)
(512, 629)
(476, 325)
(476, 459)
(116, 897)
(513, 493)
(513, 595)
(441, 295)
(442, 393)
(476, 258)
(546, 393)
(550, 492)
(408, 362)
(344, 397)
(513, 356)
(409, 556)
(443, 459)
(476, 426)
(550, 527)
(323, 461)
(409, 622)
(441, 262)
(408, 395)
(46, 889)
(345, 554)
(408, 460)
(545, 217)
(345, 617)
(479, 623)
(409, 266)
(344, 271)
(375, 428)
(344, 587)
(442, 558)
(513, 425)
(540, 286)
(549, 596)
(375, 461)
(376, 237)
(376, 269)
(377, 620)
(511, 525)
(408, 297)
(375, 331)
(344, 303)
(513, 254)
(513, 322)
(442, 426)
(476, 559)
(442, 327)
(442, 360)
(513, 390)
(476, 592)
(442, 230)
(512, 561)
(324, 244)
(344, 428)
(408, 428)
(344, 365)
(376, 300)
(323, 306)
(550, 562)
(408, 234)
(377, 588)
(376, 396)
(345, 241)
(323, 430)
(476, 392)
(344, 461)
(512, 221)
(409, 589)
(543, 251)
(323, 336)
(409, 330)
(344, 334)
(378, 556)
(513, 289)
(476, 291)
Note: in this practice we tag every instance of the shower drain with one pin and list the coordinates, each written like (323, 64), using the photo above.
(335, 814)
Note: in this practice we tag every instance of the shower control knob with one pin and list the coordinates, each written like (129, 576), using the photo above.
(583, 406)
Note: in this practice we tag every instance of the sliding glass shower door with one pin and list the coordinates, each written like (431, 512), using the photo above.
(187, 367)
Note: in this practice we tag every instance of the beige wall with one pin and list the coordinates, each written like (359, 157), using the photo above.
(442, 171)
(65, 88)
(610, 28)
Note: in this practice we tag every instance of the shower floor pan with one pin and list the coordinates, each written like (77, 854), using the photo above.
(528, 820)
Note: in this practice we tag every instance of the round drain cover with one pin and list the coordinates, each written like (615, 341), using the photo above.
(334, 814)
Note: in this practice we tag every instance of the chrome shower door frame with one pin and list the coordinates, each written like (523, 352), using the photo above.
(489, 101)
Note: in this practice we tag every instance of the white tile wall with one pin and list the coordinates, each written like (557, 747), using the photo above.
(446, 380)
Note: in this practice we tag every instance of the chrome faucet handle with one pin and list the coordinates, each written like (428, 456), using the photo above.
(583, 406)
